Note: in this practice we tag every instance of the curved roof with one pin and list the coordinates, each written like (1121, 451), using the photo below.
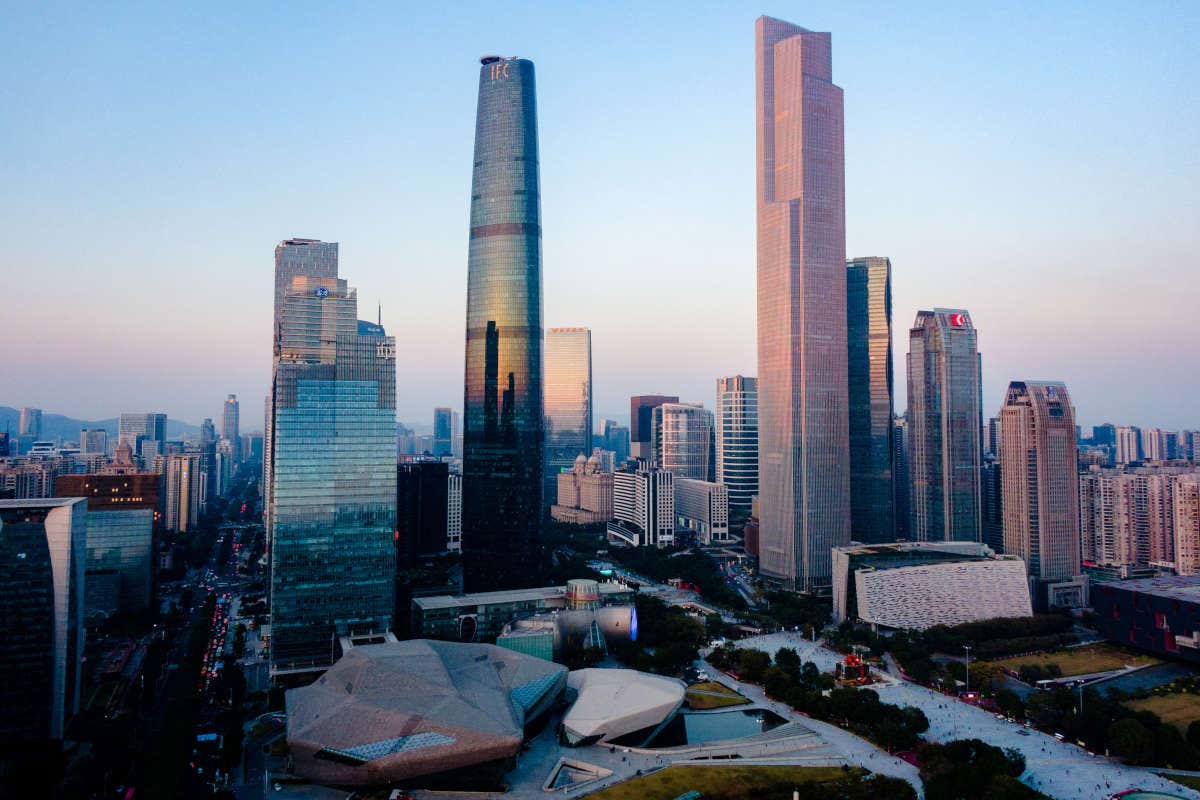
(614, 702)
(389, 711)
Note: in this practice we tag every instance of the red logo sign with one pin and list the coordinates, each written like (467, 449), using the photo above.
(958, 320)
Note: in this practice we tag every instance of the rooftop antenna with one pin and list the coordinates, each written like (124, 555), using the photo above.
(380, 319)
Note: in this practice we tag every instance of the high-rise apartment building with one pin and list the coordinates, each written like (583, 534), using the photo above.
(43, 556)
(184, 491)
(643, 507)
(869, 371)
(1039, 479)
(229, 425)
(1127, 516)
(568, 402)
(443, 432)
(503, 430)
(684, 443)
(641, 423)
(1185, 510)
(944, 418)
(737, 441)
(804, 450)
(1129, 444)
(333, 511)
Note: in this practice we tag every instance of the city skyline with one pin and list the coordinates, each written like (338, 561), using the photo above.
(1039, 215)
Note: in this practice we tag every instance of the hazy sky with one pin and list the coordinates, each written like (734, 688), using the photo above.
(1038, 164)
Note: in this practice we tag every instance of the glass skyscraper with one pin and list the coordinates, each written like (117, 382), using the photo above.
(684, 442)
(502, 397)
(737, 441)
(944, 427)
(804, 451)
(443, 432)
(869, 371)
(568, 402)
(334, 477)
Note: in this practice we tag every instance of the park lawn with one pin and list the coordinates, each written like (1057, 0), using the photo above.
(710, 694)
(728, 783)
(1178, 709)
(1190, 781)
(1080, 660)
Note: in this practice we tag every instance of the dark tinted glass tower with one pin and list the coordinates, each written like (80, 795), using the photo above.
(502, 398)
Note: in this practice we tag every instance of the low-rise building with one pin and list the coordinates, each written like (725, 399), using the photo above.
(1160, 615)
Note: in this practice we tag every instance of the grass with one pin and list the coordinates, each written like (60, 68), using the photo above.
(1179, 710)
(1080, 660)
(728, 783)
(1190, 781)
(710, 694)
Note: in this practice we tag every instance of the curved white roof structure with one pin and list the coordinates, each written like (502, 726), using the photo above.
(611, 703)
(394, 711)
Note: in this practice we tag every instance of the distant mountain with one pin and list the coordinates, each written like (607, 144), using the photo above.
(67, 428)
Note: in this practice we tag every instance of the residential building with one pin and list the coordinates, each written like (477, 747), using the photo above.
(504, 425)
(684, 440)
(869, 370)
(737, 441)
(454, 513)
(643, 507)
(1129, 444)
(184, 491)
(568, 402)
(944, 427)
(1185, 510)
(702, 509)
(641, 423)
(804, 450)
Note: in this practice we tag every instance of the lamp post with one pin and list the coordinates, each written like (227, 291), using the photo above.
(967, 647)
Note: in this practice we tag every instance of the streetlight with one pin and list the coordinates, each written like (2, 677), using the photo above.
(967, 647)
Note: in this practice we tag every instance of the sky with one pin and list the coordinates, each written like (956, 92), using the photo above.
(1035, 163)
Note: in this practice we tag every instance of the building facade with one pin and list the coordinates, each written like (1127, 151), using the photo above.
(443, 432)
(585, 494)
(643, 507)
(503, 429)
(944, 415)
(568, 402)
(454, 513)
(641, 423)
(145, 433)
(1039, 479)
(702, 509)
(229, 425)
(684, 441)
(737, 441)
(1129, 444)
(422, 507)
(804, 450)
(869, 371)
(183, 491)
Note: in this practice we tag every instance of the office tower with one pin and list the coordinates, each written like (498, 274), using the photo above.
(503, 432)
(900, 450)
(1105, 434)
(702, 509)
(182, 490)
(643, 507)
(454, 513)
(93, 441)
(208, 431)
(1129, 444)
(641, 423)
(684, 442)
(422, 499)
(43, 555)
(615, 437)
(229, 426)
(443, 432)
(30, 423)
(1185, 507)
(944, 417)
(333, 510)
(120, 562)
(294, 258)
(568, 402)
(991, 498)
(1039, 479)
(804, 450)
(146, 435)
(993, 437)
(869, 380)
(737, 441)
(250, 449)
(224, 463)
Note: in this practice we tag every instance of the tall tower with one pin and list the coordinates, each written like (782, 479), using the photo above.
(641, 423)
(229, 425)
(568, 402)
(869, 364)
(1039, 479)
(944, 426)
(684, 441)
(737, 441)
(804, 451)
(502, 396)
(443, 431)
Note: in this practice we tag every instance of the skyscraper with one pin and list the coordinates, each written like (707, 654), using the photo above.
(422, 505)
(804, 451)
(1129, 444)
(615, 437)
(568, 402)
(1039, 479)
(144, 433)
(684, 441)
(229, 425)
(333, 513)
(737, 441)
(184, 491)
(30, 423)
(93, 441)
(944, 419)
(900, 450)
(503, 431)
(443, 432)
(641, 423)
(869, 368)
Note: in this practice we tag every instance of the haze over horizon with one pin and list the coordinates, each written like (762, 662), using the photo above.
(1035, 165)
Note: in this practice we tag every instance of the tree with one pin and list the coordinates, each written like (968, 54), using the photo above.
(751, 665)
(1193, 734)
(1010, 703)
(788, 660)
(1132, 741)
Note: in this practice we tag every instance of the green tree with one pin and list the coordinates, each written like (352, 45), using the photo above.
(1132, 741)
(1010, 703)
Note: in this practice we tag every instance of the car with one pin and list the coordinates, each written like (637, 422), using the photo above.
(1024, 732)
